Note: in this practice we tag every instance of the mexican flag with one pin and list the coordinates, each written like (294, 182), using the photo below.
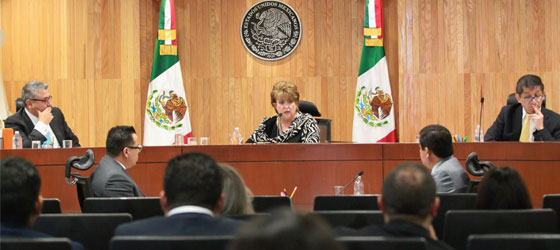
(374, 116)
(167, 111)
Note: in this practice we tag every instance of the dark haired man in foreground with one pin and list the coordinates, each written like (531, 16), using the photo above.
(20, 199)
(191, 199)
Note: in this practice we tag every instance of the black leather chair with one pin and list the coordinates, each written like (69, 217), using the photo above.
(170, 242)
(511, 100)
(94, 231)
(263, 204)
(351, 219)
(475, 167)
(513, 242)
(460, 201)
(382, 243)
(35, 243)
(553, 201)
(19, 103)
(345, 202)
(324, 124)
(138, 207)
(83, 184)
(51, 206)
(459, 224)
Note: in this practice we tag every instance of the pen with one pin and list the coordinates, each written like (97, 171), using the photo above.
(292, 195)
(466, 139)
(458, 138)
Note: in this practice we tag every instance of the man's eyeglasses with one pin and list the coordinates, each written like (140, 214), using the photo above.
(48, 99)
(139, 147)
(530, 98)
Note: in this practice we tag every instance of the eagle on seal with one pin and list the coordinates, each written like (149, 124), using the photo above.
(381, 101)
(175, 105)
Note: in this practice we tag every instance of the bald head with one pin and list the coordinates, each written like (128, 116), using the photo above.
(409, 189)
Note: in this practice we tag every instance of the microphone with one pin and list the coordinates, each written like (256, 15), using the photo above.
(480, 119)
(356, 177)
(279, 123)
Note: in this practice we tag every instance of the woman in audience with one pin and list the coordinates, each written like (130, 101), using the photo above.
(285, 229)
(236, 194)
(502, 188)
(290, 125)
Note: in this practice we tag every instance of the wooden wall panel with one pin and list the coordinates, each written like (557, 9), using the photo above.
(453, 52)
(87, 51)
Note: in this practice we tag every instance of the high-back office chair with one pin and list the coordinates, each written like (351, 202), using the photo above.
(553, 201)
(324, 124)
(170, 242)
(35, 243)
(19, 103)
(459, 224)
(138, 207)
(475, 167)
(451, 201)
(263, 204)
(345, 202)
(382, 243)
(51, 206)
(355, 219)
(511, 100)
(83, 184)
(94, 231)
(513, 241)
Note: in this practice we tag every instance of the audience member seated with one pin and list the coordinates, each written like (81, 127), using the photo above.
(502, 188)
(528, 120)
(286, 230)
(39, 120)
(20, 199)
(110, 179)
(236, 194)
(191, 200)
(436, 152)
(409, 203)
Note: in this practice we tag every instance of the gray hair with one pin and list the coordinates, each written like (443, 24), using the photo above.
(30, 89)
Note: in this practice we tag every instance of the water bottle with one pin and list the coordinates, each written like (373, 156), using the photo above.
(358, 186)
(236, 137)
(17, 141)
(478, 136)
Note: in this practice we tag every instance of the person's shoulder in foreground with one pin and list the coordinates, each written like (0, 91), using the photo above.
(540, 124)
(20, 199)
(191, 200)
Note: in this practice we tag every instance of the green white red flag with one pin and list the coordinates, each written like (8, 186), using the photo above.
(167, 112)
(374, 116)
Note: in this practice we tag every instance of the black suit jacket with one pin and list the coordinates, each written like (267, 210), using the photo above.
(109, 179)
(190, 224)
(507, 126)
(22, 123)
(21, 231)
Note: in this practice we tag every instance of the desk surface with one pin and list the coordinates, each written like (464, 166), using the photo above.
(314, 168)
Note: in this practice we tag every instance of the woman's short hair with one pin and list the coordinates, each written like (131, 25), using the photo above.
(237, 200)
(284, 90)
(502, 188)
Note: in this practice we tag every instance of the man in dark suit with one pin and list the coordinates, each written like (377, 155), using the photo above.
(20, 199)
(526, 121)
(191, 199)
(409, 204)
(39, 120)
(110, 179)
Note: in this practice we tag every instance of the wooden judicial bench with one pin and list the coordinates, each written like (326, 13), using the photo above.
(314, 168)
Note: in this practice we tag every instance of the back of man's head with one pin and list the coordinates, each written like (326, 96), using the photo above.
(438, 139)
(118, 138)
(20, 183)
(409, 189)
(192, 179)
(528, 81)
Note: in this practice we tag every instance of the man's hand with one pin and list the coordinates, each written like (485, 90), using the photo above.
(538, 117)
(46, 116)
